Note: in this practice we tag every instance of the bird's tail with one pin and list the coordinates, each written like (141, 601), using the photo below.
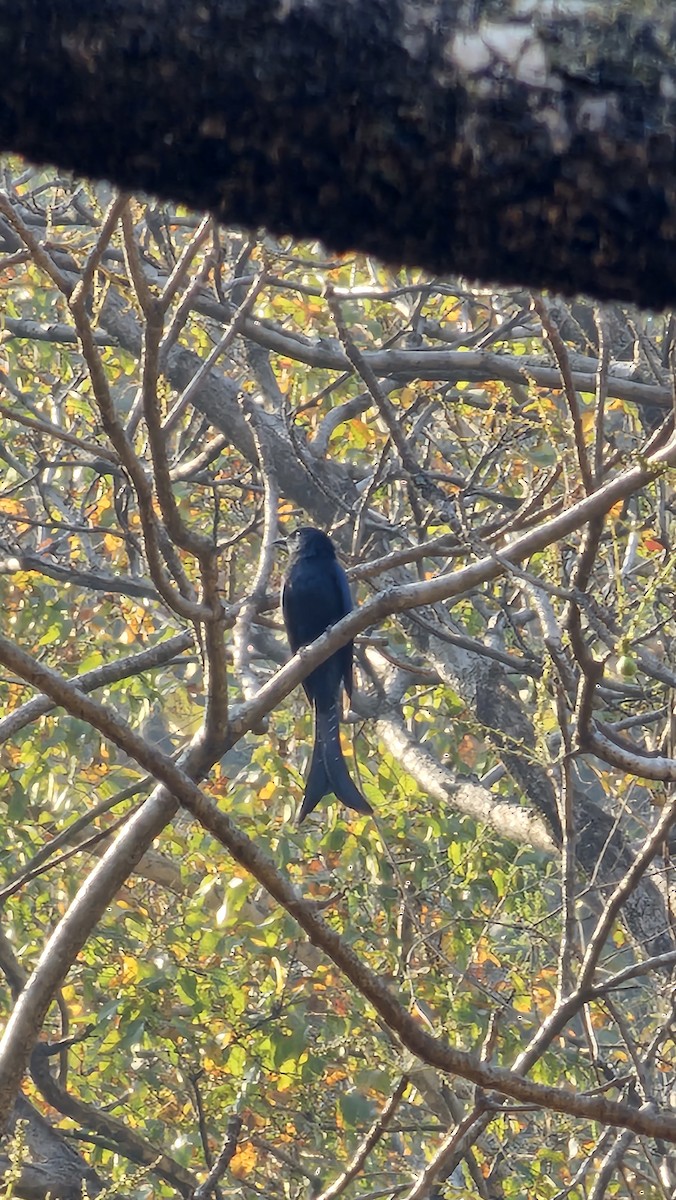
(328, 769)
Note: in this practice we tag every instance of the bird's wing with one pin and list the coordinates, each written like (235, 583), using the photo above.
(345, 601)
(287, 613)
(343, 587)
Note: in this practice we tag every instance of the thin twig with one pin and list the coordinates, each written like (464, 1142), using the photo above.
(225, 1157)
(601, 391)
(227, 338)
(453, 1147)
(369, 1141)
(256, 599)
(561, 355)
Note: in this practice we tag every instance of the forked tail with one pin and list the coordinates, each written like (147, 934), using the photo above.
(328, 769)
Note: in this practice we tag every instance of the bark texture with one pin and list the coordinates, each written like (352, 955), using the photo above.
(511, 141)
(51, 1167)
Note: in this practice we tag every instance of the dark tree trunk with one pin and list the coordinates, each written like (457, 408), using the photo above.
(51, 1168)
(530, 148)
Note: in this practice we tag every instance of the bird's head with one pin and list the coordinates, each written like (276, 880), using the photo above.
(310, 543)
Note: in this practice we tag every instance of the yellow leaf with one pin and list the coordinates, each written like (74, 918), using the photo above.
(522, 1004)
(543, 998)
(129, 969)
(244, 1161)
(588, 419)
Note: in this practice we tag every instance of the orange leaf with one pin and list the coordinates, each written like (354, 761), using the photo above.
(244, 1161)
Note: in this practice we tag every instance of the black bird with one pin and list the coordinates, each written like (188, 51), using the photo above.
(316, 594)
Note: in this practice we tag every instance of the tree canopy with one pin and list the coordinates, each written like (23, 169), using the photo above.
(471, 989)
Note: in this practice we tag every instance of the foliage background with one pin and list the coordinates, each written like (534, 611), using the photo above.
(425, 423)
